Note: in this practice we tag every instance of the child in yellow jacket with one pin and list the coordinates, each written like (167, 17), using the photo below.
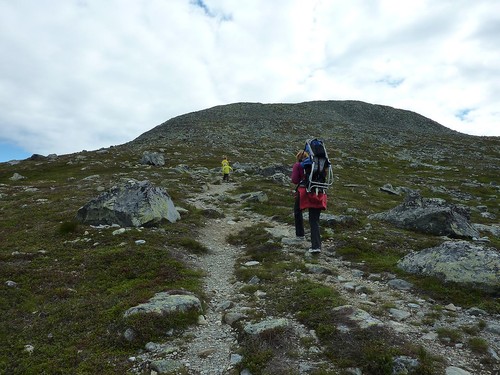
(226, 169)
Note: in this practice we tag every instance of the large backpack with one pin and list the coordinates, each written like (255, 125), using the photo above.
(317, 167)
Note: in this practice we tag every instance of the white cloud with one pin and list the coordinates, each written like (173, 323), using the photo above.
(78, 74)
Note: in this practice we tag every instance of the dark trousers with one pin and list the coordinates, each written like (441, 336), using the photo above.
(299, 220)
(314, 214)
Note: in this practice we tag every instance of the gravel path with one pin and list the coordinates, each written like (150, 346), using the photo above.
(214, 342)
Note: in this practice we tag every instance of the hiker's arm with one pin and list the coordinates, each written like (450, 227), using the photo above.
(296, 175)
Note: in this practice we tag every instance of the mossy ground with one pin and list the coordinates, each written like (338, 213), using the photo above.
(74, 282)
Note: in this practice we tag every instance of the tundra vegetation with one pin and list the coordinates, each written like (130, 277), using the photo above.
(71, 283)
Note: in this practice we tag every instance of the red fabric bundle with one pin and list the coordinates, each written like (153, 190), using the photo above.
(311, 200)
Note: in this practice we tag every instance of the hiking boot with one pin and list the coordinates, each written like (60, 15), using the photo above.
(314, 251)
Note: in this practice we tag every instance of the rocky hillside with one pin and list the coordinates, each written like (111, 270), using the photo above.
(138, 259)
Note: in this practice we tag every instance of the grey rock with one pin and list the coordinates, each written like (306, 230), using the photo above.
(476, 311)
(317, 269)
(457, 261)
(452, 370)
(224, 306)
(387, 188)
(258, 196)
(164, 303)
(254, 280)
(275, 169)
(280, 178)
(166, 366)
(358, 316)
(232, 317)
(399, 315)
(431, 216)
(16, 177)
(338, 220)
(131, 204)
(11, 284)
(400, 284)
(235, 359)
(266, 325)
(492, 229)
(404, 365)
(493, 354)
(350, 286)
(153, 158)
(129, 334)
(493, 328)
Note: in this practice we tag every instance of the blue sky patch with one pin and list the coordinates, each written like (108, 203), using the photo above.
(463, 114)
(9, 151)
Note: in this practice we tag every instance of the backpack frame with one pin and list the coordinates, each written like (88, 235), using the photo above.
(317, 167)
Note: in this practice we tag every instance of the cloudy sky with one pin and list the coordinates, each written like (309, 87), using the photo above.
(85, 74)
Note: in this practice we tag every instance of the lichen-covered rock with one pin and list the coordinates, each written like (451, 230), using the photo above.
(133, 204)
(153, 158)
(430, 215)
(359, 317)
(164, 303)
(457, 261)
(266, 325)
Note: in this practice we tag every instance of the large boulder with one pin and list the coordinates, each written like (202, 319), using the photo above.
(132, 204)
(431, 216)
(153, 158)
(457, 261)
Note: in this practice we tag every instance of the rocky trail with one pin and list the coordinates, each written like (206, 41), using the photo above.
(212, 346)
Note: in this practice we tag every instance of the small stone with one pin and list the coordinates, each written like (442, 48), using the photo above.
(202, 321)
(451, 307)
(399, 315)
(11, 284)
(260, 294)
(140, 242)
(118, 231)
(235, 359)
(400, 284)
(251, 263)
(29, 348)
(206, 352)
(129, 334)
(431, 336)
(254, 280)
(476, 311)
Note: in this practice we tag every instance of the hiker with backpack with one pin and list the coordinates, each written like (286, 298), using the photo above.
(312, 174)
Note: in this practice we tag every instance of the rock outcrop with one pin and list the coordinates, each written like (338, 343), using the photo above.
(133, 204)
(153, 158)
(430, 216)
(457, 261)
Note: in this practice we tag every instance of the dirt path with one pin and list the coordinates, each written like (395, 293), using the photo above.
(214, 342)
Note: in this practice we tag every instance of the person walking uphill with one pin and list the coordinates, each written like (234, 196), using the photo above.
(312, 199)
(226, 169)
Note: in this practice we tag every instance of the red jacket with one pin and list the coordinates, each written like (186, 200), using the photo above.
(297, 173)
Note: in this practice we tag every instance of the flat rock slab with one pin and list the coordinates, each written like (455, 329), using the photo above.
(457, 261)
(266, 325)
(164, 303)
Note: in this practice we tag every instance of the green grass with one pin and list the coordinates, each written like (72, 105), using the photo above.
(74, 282)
